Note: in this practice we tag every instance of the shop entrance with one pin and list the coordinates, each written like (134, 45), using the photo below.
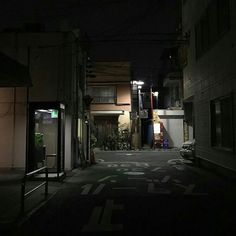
(46, 137)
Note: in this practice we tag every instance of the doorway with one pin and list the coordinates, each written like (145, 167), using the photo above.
(106, 129)
(46, 137)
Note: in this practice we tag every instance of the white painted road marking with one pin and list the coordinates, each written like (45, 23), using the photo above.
(107, 177)
(152, 189)
(105, 223)
(153, 180)
(126, 164)
(157, 168)
(86, 189)
(98, 189)
(134, 173)
(180, 167)
(165, 179)
(122, 169)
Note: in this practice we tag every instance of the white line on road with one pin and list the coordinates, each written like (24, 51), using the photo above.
(180, 167)
(137, 178)
(98, 189)
(106, 217)
(107, 177)
(152, 189)
(122, 169)
(86, 188)
(165, 179)
(157, 168)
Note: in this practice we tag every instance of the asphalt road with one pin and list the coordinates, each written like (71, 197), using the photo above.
(129, 193)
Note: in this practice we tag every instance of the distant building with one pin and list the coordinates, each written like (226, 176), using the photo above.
(209, 79)
(110, 90)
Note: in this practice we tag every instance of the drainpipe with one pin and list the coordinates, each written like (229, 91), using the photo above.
(14, 129)
(27, 119)
(151, 111)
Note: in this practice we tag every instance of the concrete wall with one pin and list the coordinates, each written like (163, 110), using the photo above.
(12, 126)
(52, 62)
(124, 121)
(123, 95)
(173, 126)
(209, 77)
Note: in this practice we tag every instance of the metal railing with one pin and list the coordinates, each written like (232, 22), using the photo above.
(23, 184)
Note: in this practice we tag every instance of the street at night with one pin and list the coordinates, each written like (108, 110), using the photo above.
(117, 117)
(146, 192)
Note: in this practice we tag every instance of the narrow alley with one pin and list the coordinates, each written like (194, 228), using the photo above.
(148, 192)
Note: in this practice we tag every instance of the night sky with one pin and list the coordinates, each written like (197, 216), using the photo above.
(132, 30)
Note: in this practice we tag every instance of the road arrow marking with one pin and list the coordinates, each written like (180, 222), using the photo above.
(165, 179)
(122, 169)
(152, 189)
(105, 223)
(99, 189)
(87, 188)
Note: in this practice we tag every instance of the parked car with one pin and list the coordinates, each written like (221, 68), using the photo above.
(187, 150)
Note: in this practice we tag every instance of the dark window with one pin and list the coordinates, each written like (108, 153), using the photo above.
(213, 28)
(222, 122)
(213, 24)
(198, 38)
(205, 32)
(102, 94)
(223, 16)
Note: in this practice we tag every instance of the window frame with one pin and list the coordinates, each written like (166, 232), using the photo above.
(202, 28)
(219, 144)
(96, 98)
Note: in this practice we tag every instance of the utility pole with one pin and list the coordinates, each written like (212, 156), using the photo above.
(151, 113)
(139, 119)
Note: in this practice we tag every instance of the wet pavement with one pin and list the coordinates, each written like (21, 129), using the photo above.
(153, 193)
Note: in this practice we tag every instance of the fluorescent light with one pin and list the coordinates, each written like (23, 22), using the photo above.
(139, 82)
(155, 94)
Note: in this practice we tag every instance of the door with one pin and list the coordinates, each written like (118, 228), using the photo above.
(106, 129)
(46, 137)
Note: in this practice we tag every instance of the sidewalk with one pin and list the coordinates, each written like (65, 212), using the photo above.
(10, 197)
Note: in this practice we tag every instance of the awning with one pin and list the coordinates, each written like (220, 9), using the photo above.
(12, 73)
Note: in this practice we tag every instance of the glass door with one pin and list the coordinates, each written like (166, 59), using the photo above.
(46, 139)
